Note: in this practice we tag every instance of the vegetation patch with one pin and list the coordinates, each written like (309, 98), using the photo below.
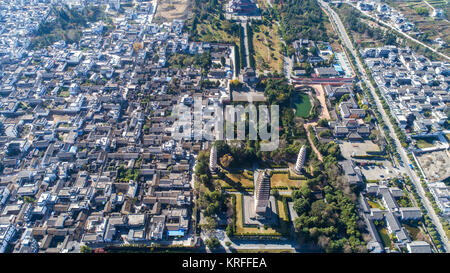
(268, 47)
(384, 236)
(236, 178)
(302, 19)
(67, 26)
(283, 180)
(423, 143)
(302, 105)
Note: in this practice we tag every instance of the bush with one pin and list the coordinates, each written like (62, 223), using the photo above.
(212, 243)
(229, 230)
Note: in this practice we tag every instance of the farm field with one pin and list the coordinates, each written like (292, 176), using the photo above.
(438, 3)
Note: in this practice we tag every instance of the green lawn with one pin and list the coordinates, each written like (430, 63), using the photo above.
(237, 178)
(282, 180)
(302, 105)
(385, 237)
(424, 143)
(374, 205)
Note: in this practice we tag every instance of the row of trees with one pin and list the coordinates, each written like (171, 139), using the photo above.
(251, 50)
(237, 60)
(392, 146)
(243, 61)
(240, 153)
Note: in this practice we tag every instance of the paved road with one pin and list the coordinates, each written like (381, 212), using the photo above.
(408, 36)
(428, 4)
(416, 181)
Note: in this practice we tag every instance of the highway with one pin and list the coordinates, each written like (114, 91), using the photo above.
(403, 154)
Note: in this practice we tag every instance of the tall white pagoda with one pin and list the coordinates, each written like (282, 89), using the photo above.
(300, 160)
(213, 158)
(262, 193)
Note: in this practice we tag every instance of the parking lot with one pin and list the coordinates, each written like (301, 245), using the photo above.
(371, 172)
(357, 148)
(378, 172)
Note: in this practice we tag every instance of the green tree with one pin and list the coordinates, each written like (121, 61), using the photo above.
(85, 249)
(209, 224)
(204, 179)
(301, 206)
(212, 243)
(322, 122)
(226, 160)
(229, 230)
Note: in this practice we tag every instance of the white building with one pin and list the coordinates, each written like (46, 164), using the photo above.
(262, 192)
(441, 194)
(418, 247)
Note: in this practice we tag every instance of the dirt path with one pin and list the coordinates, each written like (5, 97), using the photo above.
(320, 93)
(306, 125)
